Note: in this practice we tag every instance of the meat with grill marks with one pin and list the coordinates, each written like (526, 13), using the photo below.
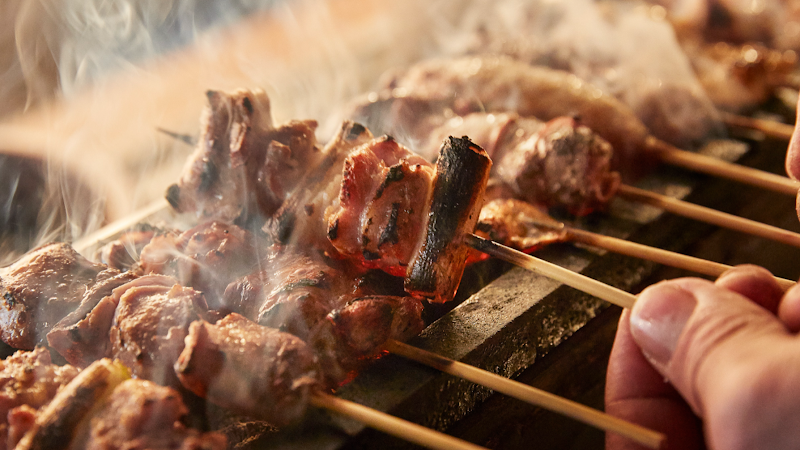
(397, 213)
(513, 223)
(243, 165)
(41, 288)
(250, 369)
(28, 381)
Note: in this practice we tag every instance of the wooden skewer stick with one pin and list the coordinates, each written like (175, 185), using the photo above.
(529, 394)
(770, 128)
(709, 215)
(389, 424)
(550, 270)
(636, 250)
(719, 168)
(658, 255)
(119, 226)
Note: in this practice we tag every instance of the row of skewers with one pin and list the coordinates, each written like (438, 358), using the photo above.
(246, 169)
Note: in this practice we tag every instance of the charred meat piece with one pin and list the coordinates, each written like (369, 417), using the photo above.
(150, 323)
(250, 369)
(382, 205)
(243, 164)
(29, 380)
(142, 414)
(41, 288)
(564, 164)
(301, 219)
(206, 257)
(513, 223)
(462, 171)
(499, 84)
(81, 337)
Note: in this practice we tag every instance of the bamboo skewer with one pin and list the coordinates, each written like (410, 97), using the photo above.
(658, 255)
(636, 250)
(770, 128)
(723, 169)
(554, 271)
(709, 215)
(392, 425)
(529, 394)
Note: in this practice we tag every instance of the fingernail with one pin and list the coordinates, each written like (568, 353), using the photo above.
(658, 319)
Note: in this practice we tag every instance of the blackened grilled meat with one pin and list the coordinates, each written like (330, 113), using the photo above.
(250, 369)
(41, 288)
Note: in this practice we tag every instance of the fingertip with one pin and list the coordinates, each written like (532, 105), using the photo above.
(754, 282)
(789, 309)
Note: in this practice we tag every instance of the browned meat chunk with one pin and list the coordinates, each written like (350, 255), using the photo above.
(250, 369)
(207, 257)
(41, 288)
(82, 336)
(29, 380)
(564, 164)
(293, 292)
(243, 164)
(366, 323)
(382, 205)
(150, 323)
(141, 414)
(513, 223)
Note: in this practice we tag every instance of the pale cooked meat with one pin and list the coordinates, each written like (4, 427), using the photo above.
(81, 337)
(142, 415)
(150, 322)
(494, 132)
(28, 381)
(250, 369)
(243, 164)
(500, 84)
(564, 164)
(513, 223)
(206, 257)
(382, 206)
(41, 288)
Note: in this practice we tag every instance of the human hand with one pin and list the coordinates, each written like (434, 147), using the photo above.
(710, 364)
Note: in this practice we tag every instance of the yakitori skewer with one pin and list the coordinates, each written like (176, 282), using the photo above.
(646, 252)
(709, 215)
(390, 424)
(529, 394)
(770, 128)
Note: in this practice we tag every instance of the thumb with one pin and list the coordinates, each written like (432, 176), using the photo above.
(733, 362)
